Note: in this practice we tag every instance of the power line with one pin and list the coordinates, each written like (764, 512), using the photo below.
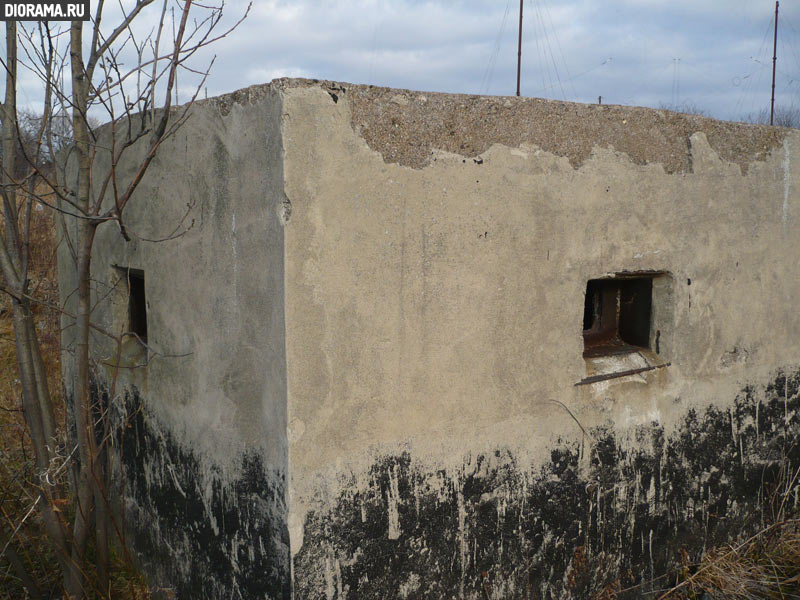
(578, 76)
(560, 51)
(545, 51)
(546, 35)
(540, 53)
(489, 72)
(750, 88)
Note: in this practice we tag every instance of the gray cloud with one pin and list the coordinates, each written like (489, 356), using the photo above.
(624, 50)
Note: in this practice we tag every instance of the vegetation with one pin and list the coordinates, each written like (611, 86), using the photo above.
(785, 116)
(58, 531)
(764, 565)
(688, 107)
(26, 555)
(28, 567)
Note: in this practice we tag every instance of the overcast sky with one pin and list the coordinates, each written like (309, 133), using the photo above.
(624, 50)
(712, 55)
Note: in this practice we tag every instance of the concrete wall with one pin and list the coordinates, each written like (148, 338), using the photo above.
(437, 257)
(204, 455)
(367, 344)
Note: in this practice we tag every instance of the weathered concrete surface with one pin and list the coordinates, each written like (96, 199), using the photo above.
(618, 518)
(404, 126)
(436, 263)
(366, 346)
(204, 457)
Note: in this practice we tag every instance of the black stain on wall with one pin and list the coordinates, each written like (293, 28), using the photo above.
(229, 542)
(620, 517)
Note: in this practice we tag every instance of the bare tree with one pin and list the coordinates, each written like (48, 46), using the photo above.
(687, 107)
(785, 116)
(59, 134)
(86, 70)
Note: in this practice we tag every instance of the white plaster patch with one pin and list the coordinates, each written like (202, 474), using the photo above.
(295, 525)
(616, 363)
(330, 590)
(643, 254)
(462, 537)
(393, 505)
(171, 470)
(787, 179)
(409, 586)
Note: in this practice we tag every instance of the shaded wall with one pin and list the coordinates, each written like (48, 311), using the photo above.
(201, 412)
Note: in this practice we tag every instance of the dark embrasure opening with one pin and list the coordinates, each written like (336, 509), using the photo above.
(137, 305)
(616, 315)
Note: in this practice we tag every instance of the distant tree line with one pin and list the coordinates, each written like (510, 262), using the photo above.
(32, 146)
(785, 116)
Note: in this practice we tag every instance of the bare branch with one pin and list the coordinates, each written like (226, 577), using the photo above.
(81, 206)
(97, 52)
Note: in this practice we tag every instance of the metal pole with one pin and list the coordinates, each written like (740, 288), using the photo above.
(774, 59)
(519, 46)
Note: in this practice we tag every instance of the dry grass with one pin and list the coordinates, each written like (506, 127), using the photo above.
(17, 473)
(762, 566)
(766, 565)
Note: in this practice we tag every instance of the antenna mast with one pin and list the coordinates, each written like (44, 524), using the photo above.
(519, 46)
(774, 59)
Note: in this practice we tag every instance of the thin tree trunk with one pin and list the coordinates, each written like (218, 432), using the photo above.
(42, 390)
(33, 418)
(77, 579)
(9, 146)
(30, 404)
(82, 399)
(19, 568)
(36, 409)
